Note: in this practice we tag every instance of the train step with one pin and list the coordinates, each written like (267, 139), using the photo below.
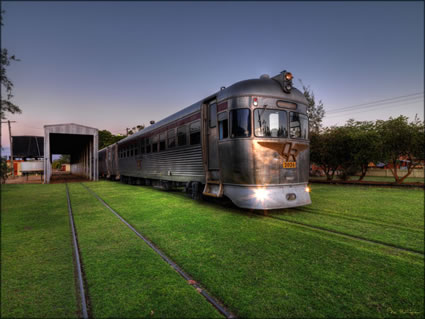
(213, 188)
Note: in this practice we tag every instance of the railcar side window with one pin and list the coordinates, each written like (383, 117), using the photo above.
(171, 138)
(142, 146)
(181, 136)
(136, 149)
(270, 123)
(148, 145)
(240, 123)
(162, 142)
(195, 133)
(223, 125)
(298, 125)
(155, 144)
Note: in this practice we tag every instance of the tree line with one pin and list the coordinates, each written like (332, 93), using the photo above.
(350, 148)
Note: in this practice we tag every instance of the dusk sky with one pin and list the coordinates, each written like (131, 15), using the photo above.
(113, 65)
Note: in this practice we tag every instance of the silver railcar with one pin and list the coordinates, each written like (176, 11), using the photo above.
(248, 141)
(108, 162)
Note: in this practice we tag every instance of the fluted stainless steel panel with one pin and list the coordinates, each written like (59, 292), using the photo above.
(178, 162)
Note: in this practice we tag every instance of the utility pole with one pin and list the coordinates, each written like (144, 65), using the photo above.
(10, 147)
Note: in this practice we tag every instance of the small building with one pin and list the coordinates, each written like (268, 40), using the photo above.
(79, 141)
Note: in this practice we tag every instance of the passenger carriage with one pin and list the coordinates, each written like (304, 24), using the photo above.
(248, 142)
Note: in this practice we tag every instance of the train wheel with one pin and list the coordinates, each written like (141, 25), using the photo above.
(196, 190)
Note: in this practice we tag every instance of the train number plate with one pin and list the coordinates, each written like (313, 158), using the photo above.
(289, 164)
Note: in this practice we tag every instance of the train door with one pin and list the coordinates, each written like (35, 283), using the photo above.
(212, 136)
(213, 185)
(107, 162)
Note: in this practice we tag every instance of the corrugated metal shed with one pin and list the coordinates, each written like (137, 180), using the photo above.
(80, 141)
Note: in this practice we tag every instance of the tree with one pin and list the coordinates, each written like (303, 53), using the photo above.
(135, 129)
(344, 150)
(106, 138)
(322, 151)
(365, 144)
(64, 159)
(401, 139)
(4, 170)
(6, 106)
(315, 112)
(6, 84)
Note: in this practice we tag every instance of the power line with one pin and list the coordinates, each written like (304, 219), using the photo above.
(370, 109)
(375, 107)
(380, 105)
(399, 98)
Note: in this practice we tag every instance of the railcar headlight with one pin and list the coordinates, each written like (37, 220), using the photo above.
(255, 101)
(288, 76)
(287, 81)
(260, 194)
(308, 189)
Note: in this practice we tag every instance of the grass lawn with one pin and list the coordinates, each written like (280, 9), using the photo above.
(263, 267)
(390, 215)
(388, 179)
(37, 271)
(125, 278)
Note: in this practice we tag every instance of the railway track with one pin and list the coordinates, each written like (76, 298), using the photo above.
(229, 204)
(354, 237)
(78, 266)
(211, 299)
(356, 219)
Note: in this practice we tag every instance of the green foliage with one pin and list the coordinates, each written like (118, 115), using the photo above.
(135, 129)
(5, 170)
(323, 151)
(6, 84)
(315, 112)
(106, 138)
(350, 148)
(64, 159)
(365, 144)
(356, 144)
(401, 139)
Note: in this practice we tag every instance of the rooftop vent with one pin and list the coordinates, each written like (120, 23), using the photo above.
(265, 77)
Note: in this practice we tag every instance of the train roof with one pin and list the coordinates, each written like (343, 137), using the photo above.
(257, 87)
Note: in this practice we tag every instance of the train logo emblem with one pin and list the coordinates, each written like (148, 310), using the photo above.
(288, 151)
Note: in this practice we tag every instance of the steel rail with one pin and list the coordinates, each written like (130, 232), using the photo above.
(310, 210)
(326, 230)
(77, 257)
(370, 241)
(225, 312)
